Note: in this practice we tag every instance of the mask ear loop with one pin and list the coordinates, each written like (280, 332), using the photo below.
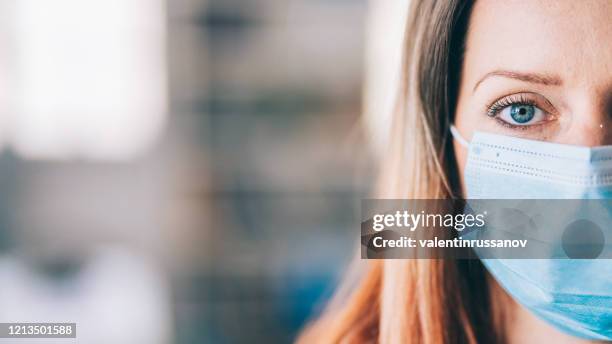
(457, 136)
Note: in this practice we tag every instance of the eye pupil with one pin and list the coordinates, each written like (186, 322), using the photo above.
(522, 113)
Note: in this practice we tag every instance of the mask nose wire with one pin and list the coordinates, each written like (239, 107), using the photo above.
(457, 136)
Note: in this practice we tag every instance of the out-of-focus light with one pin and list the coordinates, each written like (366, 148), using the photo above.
(385, 35)
(117, 296)
(90, 78)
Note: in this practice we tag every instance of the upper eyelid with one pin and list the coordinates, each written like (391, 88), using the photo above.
(534, 98)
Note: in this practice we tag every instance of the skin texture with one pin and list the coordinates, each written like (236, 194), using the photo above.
(562, 52)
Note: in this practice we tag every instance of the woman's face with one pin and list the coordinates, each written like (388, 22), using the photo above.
(538, 69)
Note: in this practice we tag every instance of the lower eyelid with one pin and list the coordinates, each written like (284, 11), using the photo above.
(518, 127)
(547, 118)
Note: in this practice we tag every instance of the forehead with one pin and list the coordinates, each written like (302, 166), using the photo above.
(567, 37)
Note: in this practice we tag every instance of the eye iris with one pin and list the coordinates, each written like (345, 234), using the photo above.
(522, 113)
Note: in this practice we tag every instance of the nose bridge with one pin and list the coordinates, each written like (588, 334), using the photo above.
(591, 123)
(595, 136)
(592, 132)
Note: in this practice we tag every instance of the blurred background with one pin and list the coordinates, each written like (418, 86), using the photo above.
(187, 171)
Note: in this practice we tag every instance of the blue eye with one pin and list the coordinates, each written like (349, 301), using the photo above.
(522, 113)
(524, 110)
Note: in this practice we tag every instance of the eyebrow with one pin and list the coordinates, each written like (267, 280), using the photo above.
(543, 79)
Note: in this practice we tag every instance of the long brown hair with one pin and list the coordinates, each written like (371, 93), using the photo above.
(419, 300)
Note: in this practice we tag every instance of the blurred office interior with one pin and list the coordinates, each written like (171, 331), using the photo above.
(185, 171)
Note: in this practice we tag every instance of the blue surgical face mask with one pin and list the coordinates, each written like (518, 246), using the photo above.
(573, 295)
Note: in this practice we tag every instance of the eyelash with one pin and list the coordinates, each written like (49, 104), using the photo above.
(498, 105)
